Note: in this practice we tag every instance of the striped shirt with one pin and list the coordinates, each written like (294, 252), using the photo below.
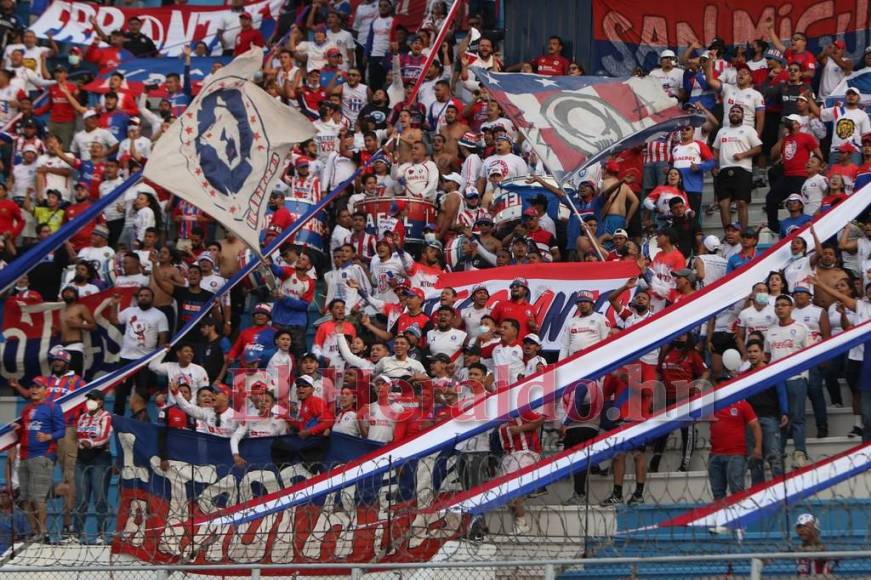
(95, 428)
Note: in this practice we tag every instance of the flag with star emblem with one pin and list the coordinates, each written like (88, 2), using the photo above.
(225, 153)
(573, 122)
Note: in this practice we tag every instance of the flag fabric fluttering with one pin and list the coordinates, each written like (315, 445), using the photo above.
(229, 148)
(572, 122)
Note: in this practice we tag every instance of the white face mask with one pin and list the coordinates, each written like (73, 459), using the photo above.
(74, 59)
(429, 237)
(92, 405)
(21, 288)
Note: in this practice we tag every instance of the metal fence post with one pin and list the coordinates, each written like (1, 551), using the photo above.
(255, 574)
(356, 573)
(756, 569)
(161, 574)
(549, 572)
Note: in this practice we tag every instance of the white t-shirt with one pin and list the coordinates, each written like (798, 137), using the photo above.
(511, 165)
(345, 41)
(31, 59)
(25, 179)
(782, 341)
(382, 422)
(231, 27)
(672, 81)
(54, 181)
(732, 140)
(316, 54)
(850, 125)
(141, 330)
(101, 258)
(509, 356)
(832, 76)
(380, 29)
(813, 190)
(749, 99)
(132, 281)
(810, 317)
(113, 211)
(753, 320)
(353, 100)
(584, 331)
(449, 342)
(142, 145)
(81, 145)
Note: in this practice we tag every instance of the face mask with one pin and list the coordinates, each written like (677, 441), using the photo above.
(429, 237)
(483, 329)
(74, 59)
(21, 289)
(92, 405)
(761, 298)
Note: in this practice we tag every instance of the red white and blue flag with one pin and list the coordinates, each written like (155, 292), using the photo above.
(572, 122)
(141, 72)
(742, 509)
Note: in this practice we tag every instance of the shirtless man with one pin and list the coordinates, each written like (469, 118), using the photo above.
(453, 130)
(228, 258)
(485, 235)
(165, 277)
(828, 271)
(617, 194)
(75, 318)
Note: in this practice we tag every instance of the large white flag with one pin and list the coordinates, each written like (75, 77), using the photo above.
(225, 152)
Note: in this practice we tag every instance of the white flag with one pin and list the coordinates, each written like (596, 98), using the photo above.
(225, 152)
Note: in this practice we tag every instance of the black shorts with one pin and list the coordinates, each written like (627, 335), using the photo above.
(734, 183)
(723, 341)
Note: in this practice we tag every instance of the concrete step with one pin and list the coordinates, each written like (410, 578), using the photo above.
(550, 523)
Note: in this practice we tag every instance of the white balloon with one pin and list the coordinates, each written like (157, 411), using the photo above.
(732, 359)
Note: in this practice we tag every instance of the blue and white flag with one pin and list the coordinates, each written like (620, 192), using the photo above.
(229, 148)
(573, 122)
(860, 80)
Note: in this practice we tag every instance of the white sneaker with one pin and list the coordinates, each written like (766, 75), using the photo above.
(799, 459)
(521, 527)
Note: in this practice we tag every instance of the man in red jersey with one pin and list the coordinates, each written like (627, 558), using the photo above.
(727, 461)
(517, 308)
(795, 148)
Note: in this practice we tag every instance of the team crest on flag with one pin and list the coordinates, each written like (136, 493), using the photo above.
(572, 122)
(230, 146)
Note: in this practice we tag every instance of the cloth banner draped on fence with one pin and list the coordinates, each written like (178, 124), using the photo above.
(171, 27)
(30, 330)
(536, 390)
(202, 477)
(741, 509)
(552, 287)
(571, 122)
(630, 33)
(229, 148)
(140, 72)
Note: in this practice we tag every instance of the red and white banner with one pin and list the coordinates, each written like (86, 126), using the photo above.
(552, 290)
(171, 28)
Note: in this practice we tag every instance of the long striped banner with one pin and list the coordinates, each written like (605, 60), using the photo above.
(630, 436)
(542, 388)
(743, 508)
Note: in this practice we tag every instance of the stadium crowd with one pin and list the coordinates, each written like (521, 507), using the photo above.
(449, 152)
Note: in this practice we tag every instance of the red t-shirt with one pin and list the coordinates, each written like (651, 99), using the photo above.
(523, 441)
(247, 39)
(729, 429)
(796, 151)
(61, 111)
(81, 238)
(551, 65)
(680, 365)
(805, 59)
(519, 311)
(11, 220)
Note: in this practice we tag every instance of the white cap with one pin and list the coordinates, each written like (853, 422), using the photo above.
(383, 379)
(793, 117)
(455, 177)
(795, 197)
(146, 189)
(712, 243)
(89, 113)
(532, 337)
(667, 53)
(29, 148)
(852, 90)
(705, 54)
(807, 520)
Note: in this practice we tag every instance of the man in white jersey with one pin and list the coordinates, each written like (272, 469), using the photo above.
(586, 328)
(420, 176)
(379, 419)
(445, 339)
(817, 321)
(355, 96)
(669, 75)
(183, 368)
(347, 418)
(783, 339)
(851, 123)
(750, 100)
(99, 254)
(510, 165)
(508, 354)
(734, 147)
(758, 317)
(387, 268)
(472, 314)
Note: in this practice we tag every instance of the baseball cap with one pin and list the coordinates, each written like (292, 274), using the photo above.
(749, 233)
(519, 282)
(495, 170)
(304, 381)
(620, 232)
(485, 219)
(207, 257)
(96, 395)
(735, 226)
(839, 44)
(530, 212)
(472, 191)
(472, 349)
(480, 287)
(503, 137)
(334, 52)
(414, 292)
(413, 330)
(612, 167)
(245, 15)
(469, 140)
(29, 124)
(667, 53)
(263, 308)
(804, 289)
(455, 177)
(383, 379)
(89, 113)
(302, 161)
(793, 117)
(853, 90)
(795, 197)
(807, 520)
(585, 296)
(435, 244)
(705, 54)
(685, 273)
(774, 54)
(712, 243)
(440, 357)
(134, 121)
(101, 231)
(532, 337)
(58, 352)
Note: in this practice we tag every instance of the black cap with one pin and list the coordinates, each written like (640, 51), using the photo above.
(209, 320)
(29, 124)
(473, 349)
(440, 357)
(96, 395)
